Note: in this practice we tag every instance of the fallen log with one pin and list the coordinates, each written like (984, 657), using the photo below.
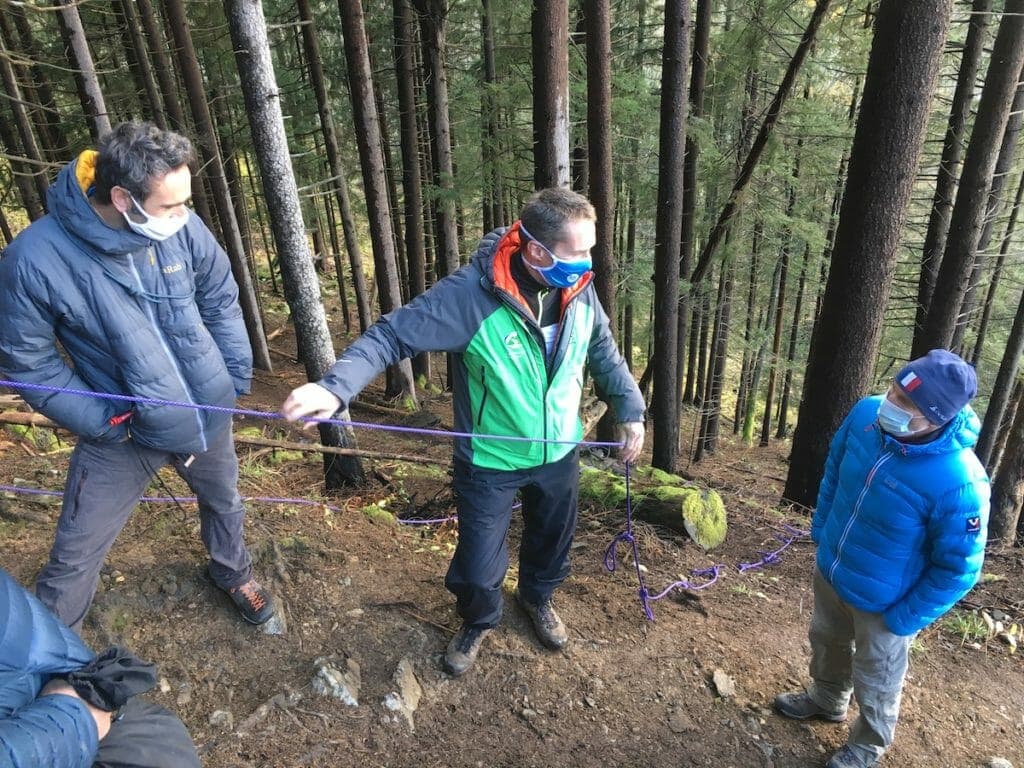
(662, 499)
(38, 420)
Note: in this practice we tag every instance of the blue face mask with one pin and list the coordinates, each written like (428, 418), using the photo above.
(560, 273)
(894, 420)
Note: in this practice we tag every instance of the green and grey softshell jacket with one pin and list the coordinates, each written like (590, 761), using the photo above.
(501, 383)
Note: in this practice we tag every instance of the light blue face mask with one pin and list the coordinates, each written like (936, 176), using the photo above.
(560, 273)
(894, 420)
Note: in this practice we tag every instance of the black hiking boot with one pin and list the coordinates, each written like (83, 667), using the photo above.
(463, 649)
(252, 601)
(800, 706)
(549, 628)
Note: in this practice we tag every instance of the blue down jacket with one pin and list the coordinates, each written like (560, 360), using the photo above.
(134, 317)
(901, 527)
(53, 731)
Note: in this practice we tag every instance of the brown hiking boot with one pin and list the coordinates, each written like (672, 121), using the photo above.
(549, 628)
(463, 649)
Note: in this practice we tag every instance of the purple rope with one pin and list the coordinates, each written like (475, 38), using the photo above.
(308, 419)
(771, 558)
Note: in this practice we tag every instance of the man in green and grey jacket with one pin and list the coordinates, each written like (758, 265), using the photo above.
(521, 320)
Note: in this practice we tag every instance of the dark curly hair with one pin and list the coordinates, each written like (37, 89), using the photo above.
(133, 155)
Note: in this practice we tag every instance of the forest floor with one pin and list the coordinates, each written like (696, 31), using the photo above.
(627, 692)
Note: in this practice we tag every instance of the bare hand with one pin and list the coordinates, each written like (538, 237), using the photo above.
(631, 435)
(102, 717)
(310, 400)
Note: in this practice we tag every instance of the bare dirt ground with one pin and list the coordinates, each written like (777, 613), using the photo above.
(628, 692)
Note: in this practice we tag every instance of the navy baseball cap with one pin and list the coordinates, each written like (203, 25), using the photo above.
(940, 384)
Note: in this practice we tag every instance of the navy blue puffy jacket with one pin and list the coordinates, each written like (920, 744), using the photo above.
(901, 527)
(136, 317)
(55, 731)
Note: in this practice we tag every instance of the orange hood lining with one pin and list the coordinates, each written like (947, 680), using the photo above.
(511, 243)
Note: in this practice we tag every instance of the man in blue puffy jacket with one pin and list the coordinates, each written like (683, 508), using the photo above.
(900, 525)
(131, 286)
(45, 722)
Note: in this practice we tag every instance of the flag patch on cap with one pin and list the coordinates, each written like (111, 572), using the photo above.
(910, 382)
(973, 524)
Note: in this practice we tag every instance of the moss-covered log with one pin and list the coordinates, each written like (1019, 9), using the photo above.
(660, 498)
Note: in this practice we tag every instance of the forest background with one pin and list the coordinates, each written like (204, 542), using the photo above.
(794, 197)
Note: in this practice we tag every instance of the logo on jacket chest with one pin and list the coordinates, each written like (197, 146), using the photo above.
(514, 344)
(170, 269)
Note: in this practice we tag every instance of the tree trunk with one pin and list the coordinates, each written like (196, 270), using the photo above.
(905, 56)
(1003, 433)
(746, 368)
(698, 79)
(952, 150)
(193, 79)
(549, 33)
(711, 412)
(311, 45)
(50, 114)
(412, 184)
(81, 60)
(993, 285)
(143, 64)
(35, 165)
(794, 333)
(759, 359)
(1008, 369)
(371, 157)
(302, 289)
(1008, 487)
(771, 117)
(972, 196)
(490, 145)
(993, 209)
(433, 28)
(668, 230)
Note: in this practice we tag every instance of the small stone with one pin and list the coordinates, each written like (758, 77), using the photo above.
(338, 678)
(221, 718)
(724, 684)
(526, 713)
(589, 701)
(165, 687)
(680, 722)
(355, 613)
(998, 762)
(275, 625)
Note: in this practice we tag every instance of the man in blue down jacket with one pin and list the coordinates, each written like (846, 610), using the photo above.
(124, 279)
(44, 722)
(900, 525)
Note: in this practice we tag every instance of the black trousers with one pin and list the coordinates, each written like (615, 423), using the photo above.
(145, 735)
(549, 494)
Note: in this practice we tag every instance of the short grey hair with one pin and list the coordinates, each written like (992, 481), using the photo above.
(547, 211)
(134, 155)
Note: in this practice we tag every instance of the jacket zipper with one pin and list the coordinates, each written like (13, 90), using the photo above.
(163, 343)
(856, 509)
(483, 400)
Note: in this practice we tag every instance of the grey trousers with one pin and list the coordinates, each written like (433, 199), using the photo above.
(854, 652)
(104, 483)
(145, 735)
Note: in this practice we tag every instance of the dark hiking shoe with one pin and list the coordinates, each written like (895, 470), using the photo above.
(800, 706)
(252, 601)
(546, 624)
(463, 649)
(850, 757)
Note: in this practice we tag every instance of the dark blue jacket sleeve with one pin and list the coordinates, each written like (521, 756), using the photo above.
(28, 354)
(56, 731)
(610, 371)
(217, 299)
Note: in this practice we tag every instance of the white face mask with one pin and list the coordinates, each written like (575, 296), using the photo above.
(156, 228)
